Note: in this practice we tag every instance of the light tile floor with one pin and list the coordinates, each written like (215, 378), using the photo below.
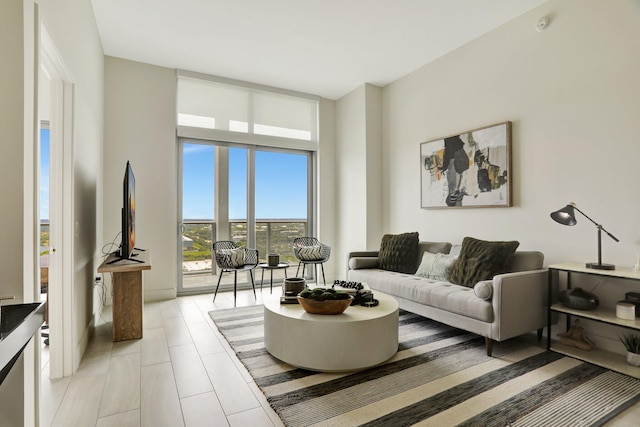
(181, 373)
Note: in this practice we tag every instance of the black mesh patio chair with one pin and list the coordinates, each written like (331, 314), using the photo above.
(309, 250)
(231, 258)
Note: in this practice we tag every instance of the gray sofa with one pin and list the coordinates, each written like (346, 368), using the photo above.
(510, 305)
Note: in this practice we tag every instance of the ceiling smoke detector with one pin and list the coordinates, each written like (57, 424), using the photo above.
(542, 23)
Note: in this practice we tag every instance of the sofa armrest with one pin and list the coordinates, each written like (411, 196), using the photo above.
(362, 262)
(362, 259)
(519, 303)
(363, 254)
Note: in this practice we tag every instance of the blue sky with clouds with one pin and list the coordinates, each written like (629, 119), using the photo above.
(281, 183)
(44, 173)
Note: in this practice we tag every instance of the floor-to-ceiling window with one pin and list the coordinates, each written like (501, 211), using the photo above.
(261, 201)
(247, 156)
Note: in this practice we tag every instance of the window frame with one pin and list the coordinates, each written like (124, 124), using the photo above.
(222, 221)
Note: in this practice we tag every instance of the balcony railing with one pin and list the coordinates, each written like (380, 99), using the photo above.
(44, 236)
(272, 236)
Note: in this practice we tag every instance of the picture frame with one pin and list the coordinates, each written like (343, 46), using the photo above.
(471, 169)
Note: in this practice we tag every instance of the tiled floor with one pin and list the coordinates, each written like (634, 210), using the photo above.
(182, 373)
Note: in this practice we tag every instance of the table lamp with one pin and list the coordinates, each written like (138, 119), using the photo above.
(566, 216)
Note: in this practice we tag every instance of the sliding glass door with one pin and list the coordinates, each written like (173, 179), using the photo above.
(281, 202)
(257, 197)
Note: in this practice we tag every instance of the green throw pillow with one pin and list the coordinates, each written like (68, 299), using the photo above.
(399, 252)
(481, 260)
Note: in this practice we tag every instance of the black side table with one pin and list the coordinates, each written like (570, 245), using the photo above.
(264, 266)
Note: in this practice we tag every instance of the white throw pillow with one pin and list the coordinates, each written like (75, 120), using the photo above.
(436, 266)
(231, 258)
(310, 253)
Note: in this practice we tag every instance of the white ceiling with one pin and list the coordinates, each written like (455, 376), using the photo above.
(321, 47)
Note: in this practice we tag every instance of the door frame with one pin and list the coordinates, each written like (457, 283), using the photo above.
(61, 235)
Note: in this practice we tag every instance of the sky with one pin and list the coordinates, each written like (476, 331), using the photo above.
(281, 183)
(44, 173)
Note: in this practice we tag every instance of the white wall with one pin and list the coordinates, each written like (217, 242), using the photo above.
(72, 27)
(140, 115)
(12, 120)
(11, 149)
(350, 174)
(325, 215)
(572, 94)
(373, 114)
(359, 172)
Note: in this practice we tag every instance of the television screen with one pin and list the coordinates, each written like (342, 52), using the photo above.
(128, 213)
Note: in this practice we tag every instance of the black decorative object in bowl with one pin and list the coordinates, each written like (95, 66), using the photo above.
(579, 299)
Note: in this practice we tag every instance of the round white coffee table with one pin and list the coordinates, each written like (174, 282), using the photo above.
(356, 339)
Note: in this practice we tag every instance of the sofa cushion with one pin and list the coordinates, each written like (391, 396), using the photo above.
(436, 266)
(455, 250)
(441, 295)
(526, 261)
(433, 247)
(481, 260)
(399, 252)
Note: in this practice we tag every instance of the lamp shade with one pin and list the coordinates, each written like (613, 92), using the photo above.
(565, 216)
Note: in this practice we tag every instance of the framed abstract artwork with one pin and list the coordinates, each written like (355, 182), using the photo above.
(468, 170)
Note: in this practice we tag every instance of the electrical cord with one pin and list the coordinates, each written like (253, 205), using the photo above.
(107, 250)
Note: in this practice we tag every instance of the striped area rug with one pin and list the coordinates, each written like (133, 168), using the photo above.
(441, 376)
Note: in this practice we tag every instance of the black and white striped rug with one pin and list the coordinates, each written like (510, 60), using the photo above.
(441, 376)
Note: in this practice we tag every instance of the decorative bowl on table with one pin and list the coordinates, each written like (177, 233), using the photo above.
(324, 301)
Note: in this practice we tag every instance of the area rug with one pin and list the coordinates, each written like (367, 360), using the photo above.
(441, 376)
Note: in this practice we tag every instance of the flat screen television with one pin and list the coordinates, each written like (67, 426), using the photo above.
(128, 213)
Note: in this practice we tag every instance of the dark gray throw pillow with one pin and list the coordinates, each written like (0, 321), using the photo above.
(399, 252)
(481, 260)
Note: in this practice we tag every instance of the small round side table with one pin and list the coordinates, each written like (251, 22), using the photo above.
(265, 266)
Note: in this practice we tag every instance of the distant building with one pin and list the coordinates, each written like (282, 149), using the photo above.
(187, 244)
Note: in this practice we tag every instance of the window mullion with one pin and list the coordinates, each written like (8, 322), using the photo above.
(251, 197)
(222, 192)
(251, 115)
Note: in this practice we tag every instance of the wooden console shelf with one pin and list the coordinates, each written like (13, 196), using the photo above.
(597, 356)
(127, 294)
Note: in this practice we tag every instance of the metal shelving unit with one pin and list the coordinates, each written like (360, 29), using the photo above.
(597, 356)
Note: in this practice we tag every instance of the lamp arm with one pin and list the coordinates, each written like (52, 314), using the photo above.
(600, 227)
(611, 235)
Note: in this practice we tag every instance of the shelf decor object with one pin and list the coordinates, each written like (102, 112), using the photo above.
(566, 216)
(632, 344)
(579, 299)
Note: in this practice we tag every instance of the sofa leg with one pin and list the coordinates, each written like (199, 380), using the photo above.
(488, 342)
(540, 334)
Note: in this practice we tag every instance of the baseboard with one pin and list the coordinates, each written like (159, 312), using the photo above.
(82, 344)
